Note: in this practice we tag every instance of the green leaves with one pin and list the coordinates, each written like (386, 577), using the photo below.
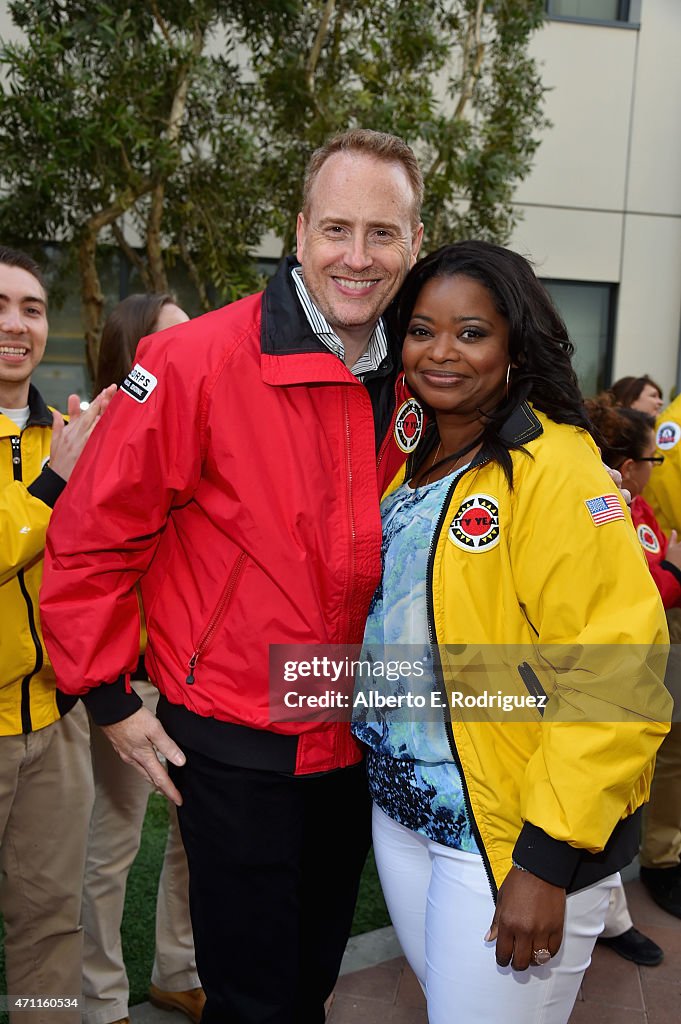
(211, 109)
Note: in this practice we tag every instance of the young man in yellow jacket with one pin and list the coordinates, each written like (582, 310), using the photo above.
(45, 773)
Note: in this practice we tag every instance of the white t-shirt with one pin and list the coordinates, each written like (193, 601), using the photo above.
(18, 416)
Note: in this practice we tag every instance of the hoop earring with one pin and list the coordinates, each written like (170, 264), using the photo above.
(508, 377)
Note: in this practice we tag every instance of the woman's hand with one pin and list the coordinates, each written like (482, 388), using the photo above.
(529, 917)
(673, 552)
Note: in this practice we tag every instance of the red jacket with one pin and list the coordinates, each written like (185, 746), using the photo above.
(654, 543)
(234, 478)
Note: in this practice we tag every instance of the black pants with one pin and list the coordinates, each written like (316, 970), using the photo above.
(274, 867)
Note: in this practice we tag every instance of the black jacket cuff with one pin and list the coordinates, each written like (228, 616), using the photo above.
(48, 486)
(110, 702)
(670, 567)
(551, 859)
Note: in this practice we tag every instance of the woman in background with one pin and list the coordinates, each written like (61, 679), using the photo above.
(640, 393)
(121, 794)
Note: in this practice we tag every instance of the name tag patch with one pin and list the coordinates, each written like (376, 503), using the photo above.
(475, 527)
(649, 541)
(139, 383)
(408, 425)
(668, 435)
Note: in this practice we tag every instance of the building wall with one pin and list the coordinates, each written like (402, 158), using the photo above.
(603, 202)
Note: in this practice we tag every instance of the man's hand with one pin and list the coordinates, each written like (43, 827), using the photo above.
(529, 916)
(136, 740)
(68, 439)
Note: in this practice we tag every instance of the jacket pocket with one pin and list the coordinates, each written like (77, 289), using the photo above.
(533, 686)
(216, 618)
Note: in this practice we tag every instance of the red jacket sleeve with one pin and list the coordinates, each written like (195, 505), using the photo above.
(143, 458)
(654, 543)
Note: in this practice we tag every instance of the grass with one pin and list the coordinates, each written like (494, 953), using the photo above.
(140, 904)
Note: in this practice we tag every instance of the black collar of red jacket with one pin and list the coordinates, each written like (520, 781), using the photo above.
(291, 352)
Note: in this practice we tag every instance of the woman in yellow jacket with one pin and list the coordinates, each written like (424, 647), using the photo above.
(512, 572)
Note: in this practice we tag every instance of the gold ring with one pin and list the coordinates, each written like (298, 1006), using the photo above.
(541, 956)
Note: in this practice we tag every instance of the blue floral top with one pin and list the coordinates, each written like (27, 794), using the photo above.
(412, 775)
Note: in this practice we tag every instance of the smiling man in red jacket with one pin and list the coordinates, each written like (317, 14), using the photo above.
(235, 483)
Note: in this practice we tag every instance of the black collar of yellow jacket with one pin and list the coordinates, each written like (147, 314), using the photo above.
(521, 426)
(291, 353)
(38, 414)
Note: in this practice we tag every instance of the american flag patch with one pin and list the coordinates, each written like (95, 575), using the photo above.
(605, 509)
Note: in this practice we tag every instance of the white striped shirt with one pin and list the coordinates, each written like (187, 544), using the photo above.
(377, 349)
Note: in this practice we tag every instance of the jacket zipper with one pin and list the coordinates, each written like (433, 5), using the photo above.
(26, 723)
(216, 618)
(351, 524)
(391, 429)
(432, 639)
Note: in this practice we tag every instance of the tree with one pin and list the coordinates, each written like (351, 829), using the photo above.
(452, 77)
(186, 124)
(123, 120)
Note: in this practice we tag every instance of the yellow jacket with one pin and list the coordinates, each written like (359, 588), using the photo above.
(664, 488)
(528, 595)
(28, 696)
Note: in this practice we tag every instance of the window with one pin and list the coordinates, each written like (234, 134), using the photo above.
(603, 11)
(588, 312)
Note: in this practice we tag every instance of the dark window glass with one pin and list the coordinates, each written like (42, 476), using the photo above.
(588, 312)
(590, 10)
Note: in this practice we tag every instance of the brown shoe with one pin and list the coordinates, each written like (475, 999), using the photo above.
(190, 1003)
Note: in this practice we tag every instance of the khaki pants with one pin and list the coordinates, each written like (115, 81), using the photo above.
(661, 843)
(45, 802)
(121, 796)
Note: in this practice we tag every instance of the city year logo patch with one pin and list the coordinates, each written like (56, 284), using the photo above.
(668, 435)
(408, 425)
(139, 383)
(649, 541)
(475, 527)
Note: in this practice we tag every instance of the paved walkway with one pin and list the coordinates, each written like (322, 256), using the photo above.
(613, 992)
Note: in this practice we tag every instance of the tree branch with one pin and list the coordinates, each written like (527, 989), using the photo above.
(132, 255)
(157, 273)
(194, 273)
(161, 23)
(315, 52)
(471, 71)
(178, 108)
(472, 56)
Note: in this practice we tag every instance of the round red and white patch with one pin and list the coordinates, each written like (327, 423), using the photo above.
(649, 541)
(475, 527)
(668, 435)
(408, 425)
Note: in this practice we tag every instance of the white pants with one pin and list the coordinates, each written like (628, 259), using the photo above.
(441, 906)
(618, 919)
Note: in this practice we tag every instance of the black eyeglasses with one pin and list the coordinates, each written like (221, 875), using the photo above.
(656, 460)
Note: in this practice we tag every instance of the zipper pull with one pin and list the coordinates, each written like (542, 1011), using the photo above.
(192, 665)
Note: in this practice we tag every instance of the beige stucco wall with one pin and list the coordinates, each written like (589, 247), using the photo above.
(603, 202)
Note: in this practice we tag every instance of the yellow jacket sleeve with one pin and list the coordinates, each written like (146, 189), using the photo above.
(601, 641)
(24, 518)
